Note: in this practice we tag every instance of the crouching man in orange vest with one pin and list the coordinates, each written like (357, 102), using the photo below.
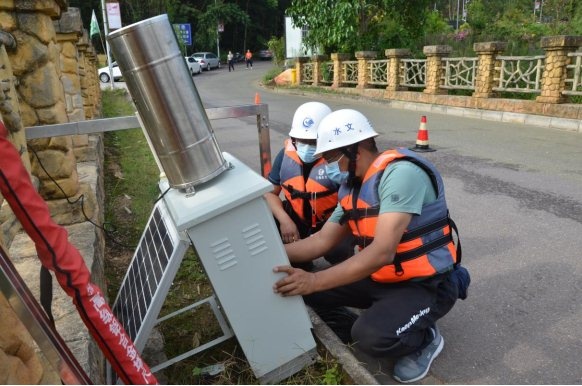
(406, 274)
(309, 195)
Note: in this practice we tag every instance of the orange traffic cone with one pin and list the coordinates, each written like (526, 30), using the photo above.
(422, 138)
(257, 99)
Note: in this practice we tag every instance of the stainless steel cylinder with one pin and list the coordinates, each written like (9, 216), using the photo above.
(167, 101)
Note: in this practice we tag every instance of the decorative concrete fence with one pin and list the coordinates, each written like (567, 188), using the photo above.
(48, 75)
(552, 77)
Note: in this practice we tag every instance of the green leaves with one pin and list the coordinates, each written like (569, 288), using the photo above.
(348, 25)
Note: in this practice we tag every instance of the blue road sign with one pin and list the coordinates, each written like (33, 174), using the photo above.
(184, 33)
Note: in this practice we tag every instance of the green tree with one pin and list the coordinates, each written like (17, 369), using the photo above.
(348, 25)
(332, 24)
(207, 26)
(277, 47)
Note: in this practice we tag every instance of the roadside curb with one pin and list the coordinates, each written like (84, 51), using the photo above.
(565, 124)
(354, 368)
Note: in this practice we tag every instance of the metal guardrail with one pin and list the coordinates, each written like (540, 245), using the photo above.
(95, 126)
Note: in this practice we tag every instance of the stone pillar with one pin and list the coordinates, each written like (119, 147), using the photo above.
(338, 68)
(299, 62)
(394, 56)
(84, 78)
(69, 31)
(484, 79)
(36, 65)
(9, 105)
(554, 75)
(11, 116)
(317, 62)
(435, 68)
(363, 58)
(94, 86)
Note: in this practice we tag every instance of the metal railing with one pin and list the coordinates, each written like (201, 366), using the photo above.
(94, 126)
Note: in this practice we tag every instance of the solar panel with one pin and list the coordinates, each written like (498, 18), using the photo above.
(147, 281)
(149, 276)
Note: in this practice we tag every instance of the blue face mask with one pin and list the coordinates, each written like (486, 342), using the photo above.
(335, 174)
(306, 152)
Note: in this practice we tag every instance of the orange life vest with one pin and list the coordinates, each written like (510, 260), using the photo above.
(426, 247)
(318, 189)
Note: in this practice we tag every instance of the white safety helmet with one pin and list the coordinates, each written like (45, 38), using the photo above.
(343, 128)
(307, 118)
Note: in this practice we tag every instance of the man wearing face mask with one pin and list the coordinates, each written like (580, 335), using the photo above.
(310, 194)
(407, 273)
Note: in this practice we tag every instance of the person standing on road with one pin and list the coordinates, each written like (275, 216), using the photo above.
(310, 196)
(249, 59)
(407, 273)
(230, 59)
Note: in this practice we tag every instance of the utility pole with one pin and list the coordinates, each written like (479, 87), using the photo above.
(458, 15)
(217, 38)
(106, 31)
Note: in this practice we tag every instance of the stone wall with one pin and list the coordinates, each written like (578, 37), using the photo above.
(48, 75)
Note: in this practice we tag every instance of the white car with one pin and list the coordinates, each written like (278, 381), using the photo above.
(104, 73)
(207, 60)
(193, 65)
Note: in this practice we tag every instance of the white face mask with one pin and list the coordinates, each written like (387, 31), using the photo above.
(306, 152)
(335, 174)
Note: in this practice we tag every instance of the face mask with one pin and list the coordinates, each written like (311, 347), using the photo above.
(306, 152)
(335, 174)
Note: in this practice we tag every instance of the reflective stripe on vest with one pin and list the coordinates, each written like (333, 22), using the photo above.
(426, 247)
(318, 189)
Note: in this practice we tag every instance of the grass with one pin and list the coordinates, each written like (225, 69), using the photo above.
(131, 177)
(132, 168)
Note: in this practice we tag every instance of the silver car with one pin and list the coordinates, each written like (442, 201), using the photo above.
(207, 60)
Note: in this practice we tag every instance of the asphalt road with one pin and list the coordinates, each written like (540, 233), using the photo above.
(515, 192)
